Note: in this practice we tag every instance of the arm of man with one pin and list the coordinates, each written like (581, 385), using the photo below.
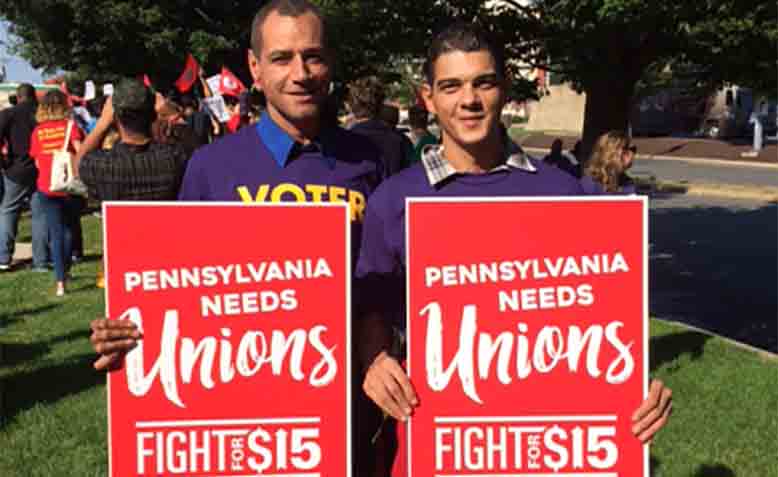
(653, 413)
(379, 291)
(386, 382)
(95, 138)
(112, 339)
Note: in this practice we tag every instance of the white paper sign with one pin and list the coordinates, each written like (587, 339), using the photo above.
(213, 83)
(217, 107)
(108, 89)
(89, 90)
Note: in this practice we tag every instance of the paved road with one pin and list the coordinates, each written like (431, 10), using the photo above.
(714, 264)
(706, 172)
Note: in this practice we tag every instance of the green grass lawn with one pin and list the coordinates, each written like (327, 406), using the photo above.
(725, 420)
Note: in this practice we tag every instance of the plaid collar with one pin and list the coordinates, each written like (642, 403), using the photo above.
(438, 169)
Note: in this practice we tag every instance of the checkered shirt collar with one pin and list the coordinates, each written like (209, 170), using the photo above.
(438, 169)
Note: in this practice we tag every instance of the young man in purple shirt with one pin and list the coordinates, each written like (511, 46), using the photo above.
(466, 89)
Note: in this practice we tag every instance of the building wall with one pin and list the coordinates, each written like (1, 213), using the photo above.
(561, 109)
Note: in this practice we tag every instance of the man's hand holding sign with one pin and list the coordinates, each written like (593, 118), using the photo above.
(526, 355)
(228, 357)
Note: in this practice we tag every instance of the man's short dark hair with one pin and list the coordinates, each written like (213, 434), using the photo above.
(133, 106)
(25, 92)
(366, 96)
(390, 115)
(466, 37)
(285, 8)
(418, 117)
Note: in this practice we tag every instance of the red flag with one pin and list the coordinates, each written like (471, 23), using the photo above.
(189, 76)
(146, 81)
(71, 98)
(230, 84)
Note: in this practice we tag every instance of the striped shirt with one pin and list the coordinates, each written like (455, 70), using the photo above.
(134, 172)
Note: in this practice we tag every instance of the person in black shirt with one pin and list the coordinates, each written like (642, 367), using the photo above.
(20, 174)
(136, 168)
(365, 99)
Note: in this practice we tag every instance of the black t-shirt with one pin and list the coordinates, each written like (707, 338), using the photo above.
(16, 126)
(396, 149)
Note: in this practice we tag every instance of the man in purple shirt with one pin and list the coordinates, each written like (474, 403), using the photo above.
(291, 154)
(466, 89)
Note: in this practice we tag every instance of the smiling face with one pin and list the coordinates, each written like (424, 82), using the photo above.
(467, 94)
(292, 68)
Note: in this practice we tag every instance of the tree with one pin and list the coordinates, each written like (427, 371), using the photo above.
(607, 47)
(106, 39)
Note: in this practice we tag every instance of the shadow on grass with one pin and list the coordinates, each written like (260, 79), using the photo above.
(47, 385)
(714, 470)
(704, 470)
(17, 353)
(8, 318)
(665, 349)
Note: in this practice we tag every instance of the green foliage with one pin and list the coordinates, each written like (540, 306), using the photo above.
(54, 403)
(616, 48)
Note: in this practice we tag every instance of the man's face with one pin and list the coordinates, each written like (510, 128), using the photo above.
(467, 95)
(292, 68)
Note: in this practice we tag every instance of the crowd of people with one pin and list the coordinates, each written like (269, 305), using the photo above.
(167, 150)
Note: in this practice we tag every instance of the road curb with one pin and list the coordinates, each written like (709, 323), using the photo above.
(690, 160)
(717, 189)
(768, 355)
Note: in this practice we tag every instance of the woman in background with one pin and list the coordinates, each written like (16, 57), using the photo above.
(62, 211)
(606, 170)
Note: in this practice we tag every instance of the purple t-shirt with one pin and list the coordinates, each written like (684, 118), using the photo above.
(381, 268)
(263, 164)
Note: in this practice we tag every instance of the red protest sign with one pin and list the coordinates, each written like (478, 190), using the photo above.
(243, 368)
(527, 336)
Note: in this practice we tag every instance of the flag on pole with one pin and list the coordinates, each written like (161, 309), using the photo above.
(230, 84)
(189, 75)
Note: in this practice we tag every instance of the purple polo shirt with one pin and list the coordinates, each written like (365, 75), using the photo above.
(264, 164)
(381, 267)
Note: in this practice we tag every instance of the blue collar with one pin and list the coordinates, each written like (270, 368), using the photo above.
(281, 145)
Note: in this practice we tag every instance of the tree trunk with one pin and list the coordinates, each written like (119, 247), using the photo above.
(608, 105)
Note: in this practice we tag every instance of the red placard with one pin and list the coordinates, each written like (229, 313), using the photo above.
(527, 336)
(243, 368)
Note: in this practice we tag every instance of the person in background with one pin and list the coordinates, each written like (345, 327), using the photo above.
(197, 119)
(420, 136)
(170, 127)
(366, 101)
(389, 114)
(20, 174)
(136, 167)
(55, 128)
(606, 170)
(557, 158)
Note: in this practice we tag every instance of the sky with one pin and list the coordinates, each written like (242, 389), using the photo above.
(17, 69)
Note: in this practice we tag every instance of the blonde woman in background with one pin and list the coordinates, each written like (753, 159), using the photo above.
(605, 171)
(62, 211)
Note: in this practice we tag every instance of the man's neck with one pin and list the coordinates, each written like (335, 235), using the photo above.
(302, 133)
(133, 138)
(474, 158)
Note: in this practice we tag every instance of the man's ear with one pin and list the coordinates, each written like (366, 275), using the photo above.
(254, 68)
(426, 96)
